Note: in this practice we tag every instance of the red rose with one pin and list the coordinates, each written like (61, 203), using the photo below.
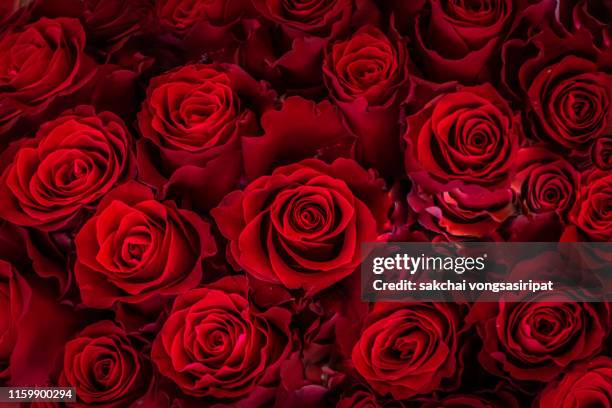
(545, 182)
(592, 214)
(367, 76)
(303, 225)
(458, 40)
(215, 344)
(182, 15)
(469, 136)
(538, 340)
(38, 63)
(73, 161)
(409, 349)
(468, 211)
(104, 366)
(571, 102)
(358, 399)
(584, 385)
(602, 153)
(110, 23)
(14, 297)
(191, 122)
(134, 248)
(287, 47)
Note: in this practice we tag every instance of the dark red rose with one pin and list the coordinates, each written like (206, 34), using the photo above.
(216, 345)
(70, 164)
(182, 15)
(538, 340)
(410, 349)
(104, 366)
(571, 102)
(110, 23)
(602, 153)
(584, 385)
(134, 248)
(468, 211)
(303, 225)
(191, 122)
(457, 40)
(38, 63)
(367, 76)
(545, 182)
(287, 47)
(358, 399)
(298, 130)
(469, 136)
(14, 297)
(591, 214)
(499, 398)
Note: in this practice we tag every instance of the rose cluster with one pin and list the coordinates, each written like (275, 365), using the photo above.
(185, 186)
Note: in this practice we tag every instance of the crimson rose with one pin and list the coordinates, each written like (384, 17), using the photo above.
(38, 63)
(410, 349)
(70, 164)
(215, 344)
(591, 214)
(104, 366)
(134, 248)
(303, 225)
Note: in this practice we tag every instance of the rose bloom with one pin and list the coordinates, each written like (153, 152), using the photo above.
(591, 214)
(38, 63)
(367, 76)
(303, 225)
(469, 136)
(457, 40)
(191, 122)
(409, 349)
(468, 211)
(545, 181)
(135, 247)
(182, 15)
(105, 366)
(584, 385)
(70, 164)
(602, 153)
(538, 340)
(570, 103)
(217, 345)
(110, 23)
(14, 298)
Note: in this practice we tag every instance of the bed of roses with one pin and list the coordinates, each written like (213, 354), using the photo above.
(185, 186)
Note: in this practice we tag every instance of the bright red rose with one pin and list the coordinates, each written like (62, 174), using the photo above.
(545, 182)
(135, 248)
(570, 103)
(367, 76)
(469, 136)
(105, 367)
(303, 225)
(38, 63)
(591, 214)
(14, 297)
(70, 164)
(584, 385)
(216, 345)
(538, 340)
(410, 349)
(192, 121)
